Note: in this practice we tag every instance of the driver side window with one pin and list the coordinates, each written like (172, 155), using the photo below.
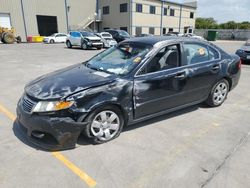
(167, 58)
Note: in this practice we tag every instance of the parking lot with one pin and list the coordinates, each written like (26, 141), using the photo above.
(194, 147)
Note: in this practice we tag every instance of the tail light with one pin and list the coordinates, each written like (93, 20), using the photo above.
(240, 63)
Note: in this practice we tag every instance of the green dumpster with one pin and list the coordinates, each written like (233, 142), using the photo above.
(212, 35)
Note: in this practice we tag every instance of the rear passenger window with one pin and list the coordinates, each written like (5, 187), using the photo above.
(213, 54)
(196, 53)
(75, 34)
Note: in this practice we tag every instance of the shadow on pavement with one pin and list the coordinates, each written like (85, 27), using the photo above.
(83, 141)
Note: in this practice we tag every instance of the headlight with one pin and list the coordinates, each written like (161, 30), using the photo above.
(49, 106)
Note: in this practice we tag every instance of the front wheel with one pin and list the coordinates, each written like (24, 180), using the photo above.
(84, 46)
(104, 124)
(51, 41)
(218, 93)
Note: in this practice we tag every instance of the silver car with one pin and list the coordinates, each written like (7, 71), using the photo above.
(107, 39)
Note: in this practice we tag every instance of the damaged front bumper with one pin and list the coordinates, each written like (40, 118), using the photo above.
(49, 132)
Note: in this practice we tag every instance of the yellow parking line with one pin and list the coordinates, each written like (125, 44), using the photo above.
(74, 169)
(7, 113)
(84, 176)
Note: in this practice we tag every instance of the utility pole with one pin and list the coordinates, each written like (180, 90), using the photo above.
(162, 3)
(24, 20)
(180, 18)
(66, 14)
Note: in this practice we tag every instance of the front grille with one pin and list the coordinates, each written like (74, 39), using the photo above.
(27, 104)
(95, 41)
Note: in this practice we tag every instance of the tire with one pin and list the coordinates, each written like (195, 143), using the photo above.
(218, 94)
(100, 129)
(51, 41)
(84, 46)
(18, 39)
(99, 47)
(68, 44)
(8, 38)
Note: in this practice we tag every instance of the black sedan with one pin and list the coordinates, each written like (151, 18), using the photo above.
(244, 52)
(138, 79)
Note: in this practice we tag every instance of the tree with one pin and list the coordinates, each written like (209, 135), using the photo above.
(206, 23)
(211, 23)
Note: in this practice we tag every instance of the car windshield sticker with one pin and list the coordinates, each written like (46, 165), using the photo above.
(202, 51)
(137, 60)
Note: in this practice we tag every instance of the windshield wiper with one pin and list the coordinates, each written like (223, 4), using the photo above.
(97, 69)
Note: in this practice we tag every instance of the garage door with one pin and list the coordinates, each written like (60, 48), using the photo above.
(47, 25)
(5, 20)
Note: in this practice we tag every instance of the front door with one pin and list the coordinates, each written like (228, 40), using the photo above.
(160, 84)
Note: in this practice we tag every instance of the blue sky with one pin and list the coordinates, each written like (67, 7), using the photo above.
(224, 10)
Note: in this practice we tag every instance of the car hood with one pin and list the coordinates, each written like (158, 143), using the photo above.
(67, 81)
(245, 48)
(93, 38)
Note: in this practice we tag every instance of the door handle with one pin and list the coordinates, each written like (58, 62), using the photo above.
(215, 67)
(180, 75)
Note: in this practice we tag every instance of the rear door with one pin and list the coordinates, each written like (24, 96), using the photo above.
(203, 65)
(61, 38)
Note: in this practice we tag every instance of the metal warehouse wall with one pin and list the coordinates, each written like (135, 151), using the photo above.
(13, 7)
(47, 8)
(78, 11)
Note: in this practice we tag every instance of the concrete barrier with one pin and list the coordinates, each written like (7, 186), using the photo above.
(226, 34)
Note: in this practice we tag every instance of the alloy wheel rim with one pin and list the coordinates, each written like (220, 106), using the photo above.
(220, 93)
(105, 125)
(84, 46)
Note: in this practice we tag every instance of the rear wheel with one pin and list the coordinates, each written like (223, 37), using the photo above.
(105, 124)
(218, 93)
(68, 44)
(18, 39)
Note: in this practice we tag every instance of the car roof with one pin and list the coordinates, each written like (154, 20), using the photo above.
(118, 30)
(105, 33)
(152, 40)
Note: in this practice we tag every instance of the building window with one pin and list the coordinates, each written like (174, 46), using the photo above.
(152, 30)
(152, 9)
(172, 12)
(164, 31)
(124, 28)
(191, 15)
(165, 11)
(138, 31)
(170, 30)
(138, 7)
(105, 10)
(124, 7)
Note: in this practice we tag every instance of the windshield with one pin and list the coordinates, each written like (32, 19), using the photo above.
(106, 35)
(124, 33)
(53, 35)
(119, 60)
(87, 34)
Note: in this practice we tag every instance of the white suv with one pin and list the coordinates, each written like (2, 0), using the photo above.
(84, 40)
